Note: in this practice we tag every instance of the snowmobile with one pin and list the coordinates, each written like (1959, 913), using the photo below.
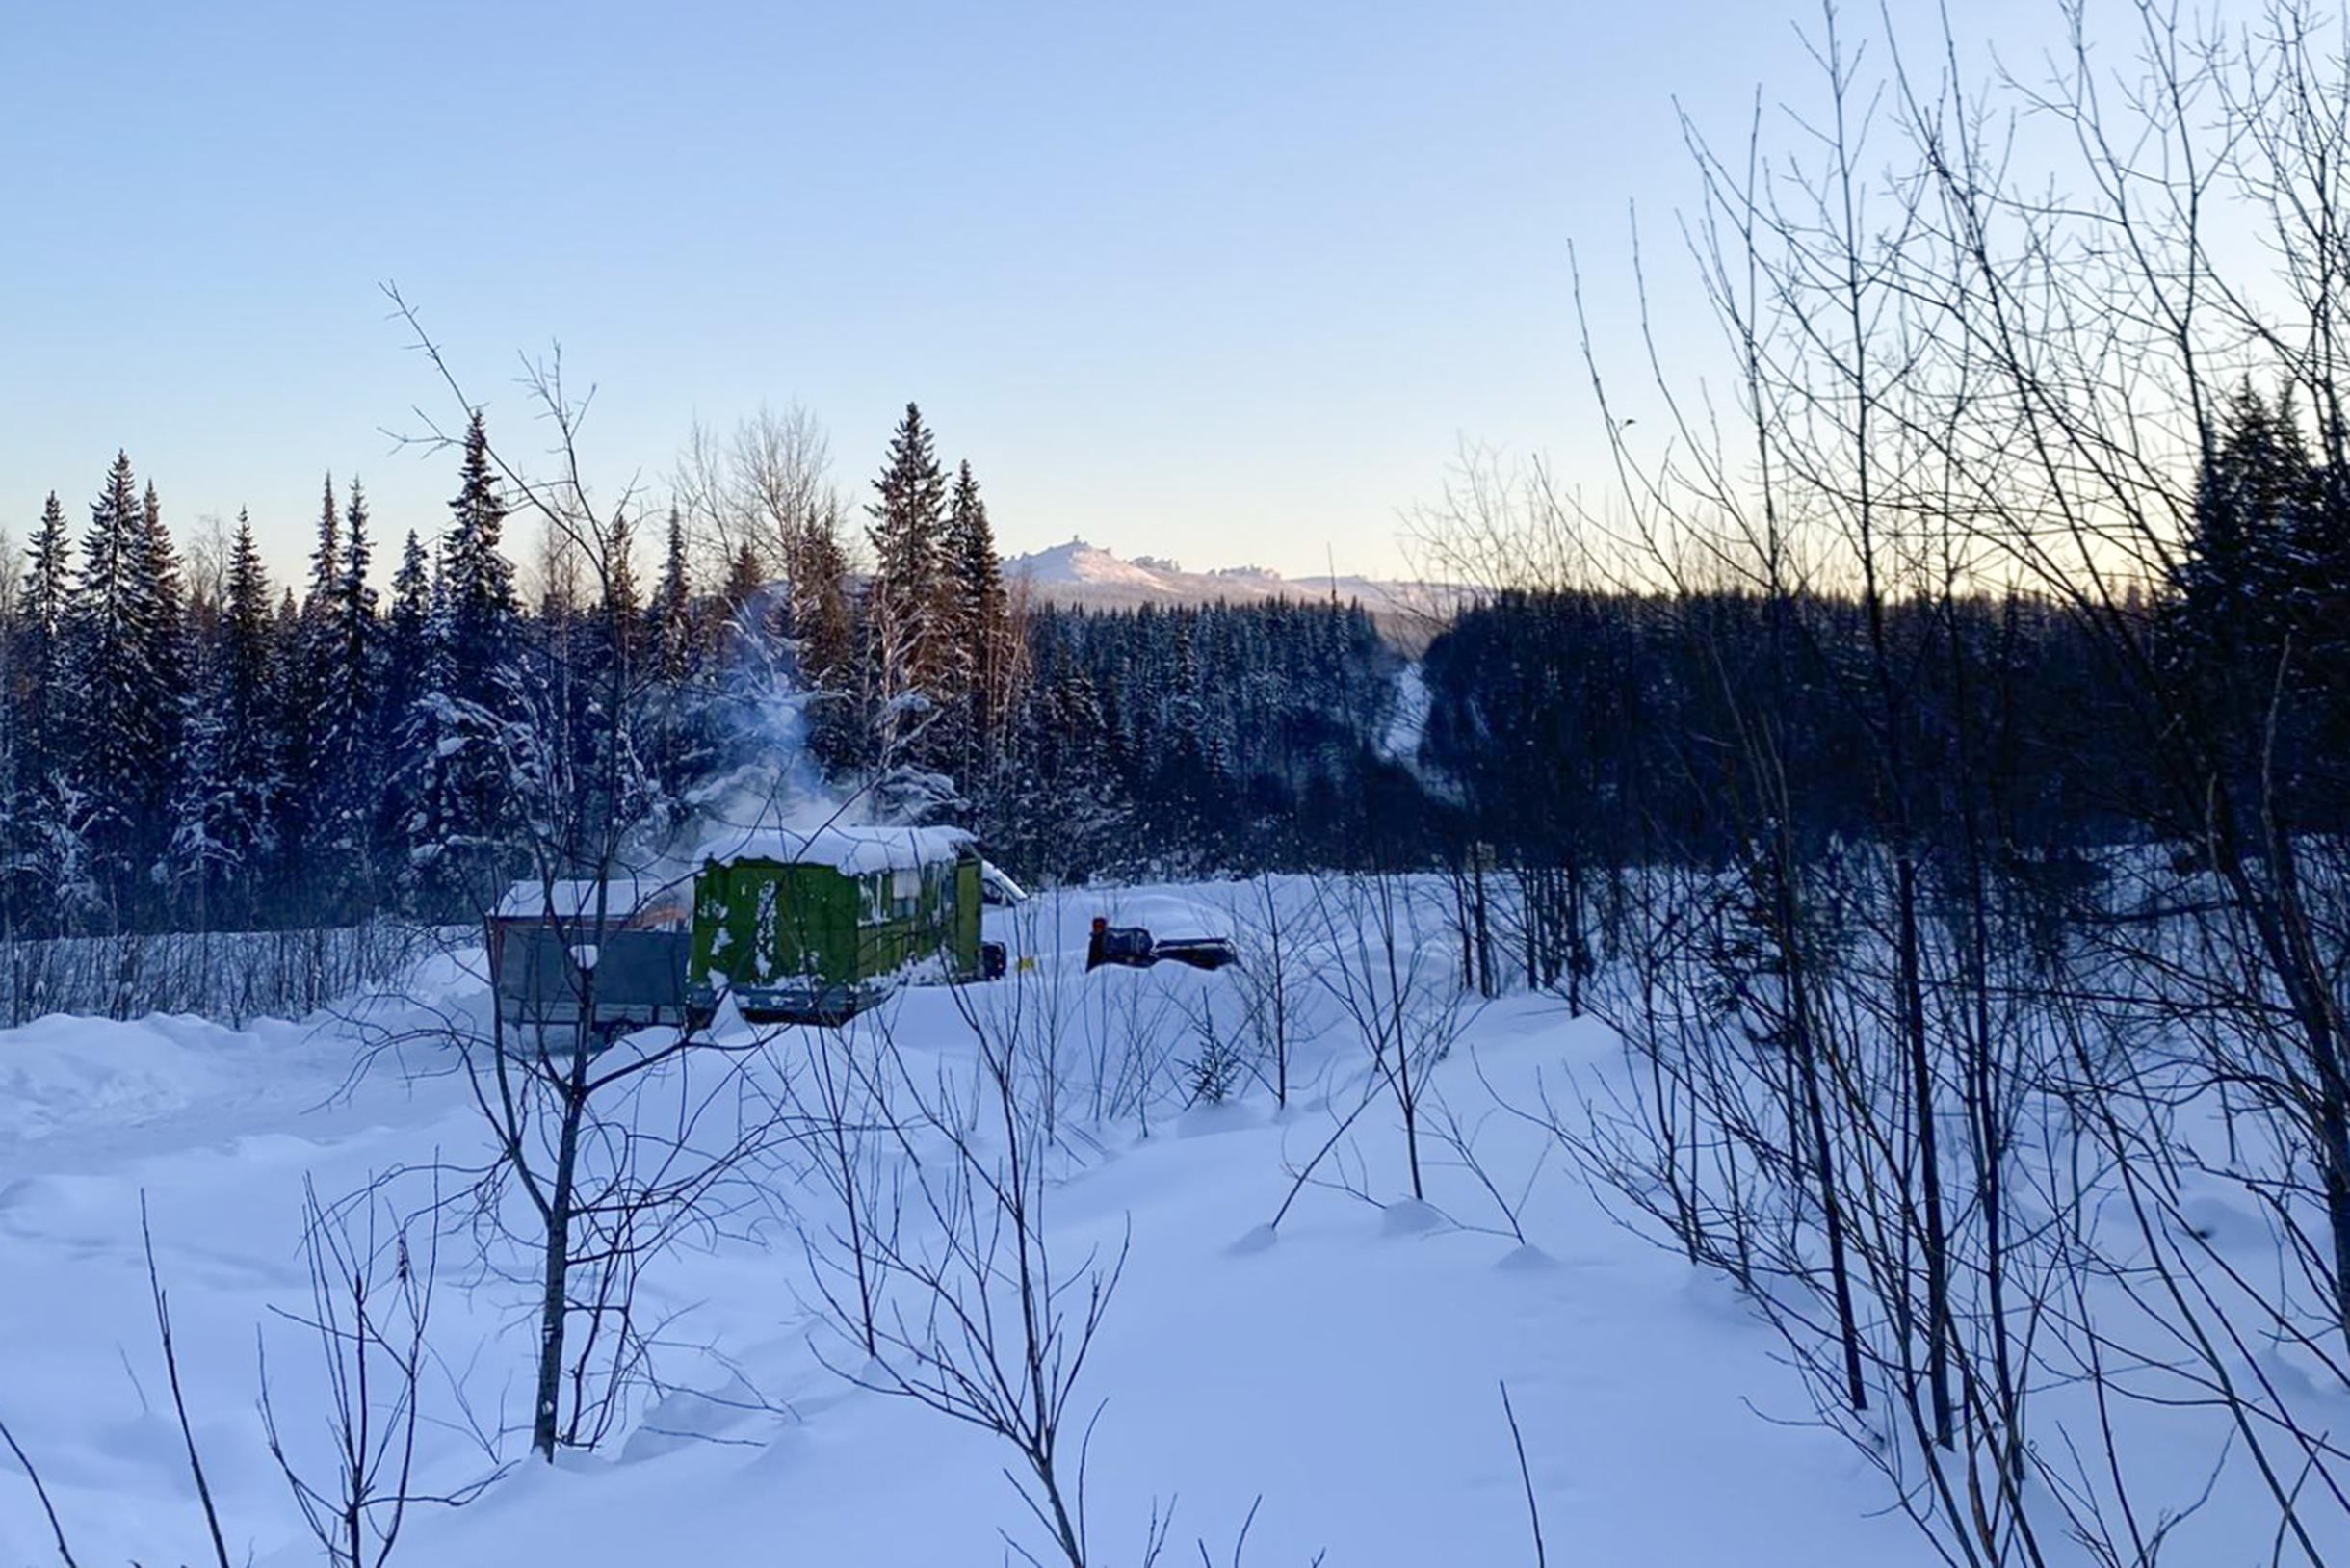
(1134, 946)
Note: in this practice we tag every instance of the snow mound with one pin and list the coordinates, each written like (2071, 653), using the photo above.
(61, 1074)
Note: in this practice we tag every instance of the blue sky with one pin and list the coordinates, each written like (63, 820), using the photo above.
(1223, 282)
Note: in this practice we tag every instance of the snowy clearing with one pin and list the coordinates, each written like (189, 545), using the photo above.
(1344, 1368)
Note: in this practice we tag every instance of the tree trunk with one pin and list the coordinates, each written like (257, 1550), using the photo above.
(554, 1300)
(1929, 1156)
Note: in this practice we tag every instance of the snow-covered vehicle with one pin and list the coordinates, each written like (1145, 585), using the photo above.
(1134, 948)
(997, 888)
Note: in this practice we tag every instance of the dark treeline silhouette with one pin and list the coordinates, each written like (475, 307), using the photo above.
(1607, 724)
(230, 753)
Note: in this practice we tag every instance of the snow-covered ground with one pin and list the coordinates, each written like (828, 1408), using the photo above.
(1346, 1369)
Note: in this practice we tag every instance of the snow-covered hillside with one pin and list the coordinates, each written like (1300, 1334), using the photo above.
(1345, 1368)
(1078, 573)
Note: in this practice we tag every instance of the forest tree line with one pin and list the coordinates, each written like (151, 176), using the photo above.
(1611, 719)
(194, 745)
(236, 752)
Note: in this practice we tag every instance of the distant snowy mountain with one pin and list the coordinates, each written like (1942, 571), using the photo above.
(1078, 573)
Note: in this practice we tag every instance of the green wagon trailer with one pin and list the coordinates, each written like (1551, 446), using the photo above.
(813, 926)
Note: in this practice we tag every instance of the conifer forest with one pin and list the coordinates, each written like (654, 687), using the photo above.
(190, 742)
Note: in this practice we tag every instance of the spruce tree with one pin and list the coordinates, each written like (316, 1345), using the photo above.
(350, 734)
(405, 640)
(250, 761)
(671, 611)
(125, 669)
(675, 736)
(980, 622)
(746, 576)
(438, 812)
(327, 555)
(477, 580)
(404, 629)
(746, 613)
(167, 698)
(904, 608)
(104, 639)
(2255, 628)
(202, 857)
(824, 633)
(456, 799)
(354, 599)
(314, 723)
(246, 627)
(2255, 497)
(166, 634)
(47, 597)
(623, 606)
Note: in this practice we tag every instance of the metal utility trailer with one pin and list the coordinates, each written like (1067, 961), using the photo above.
(543, 940)
(814, 926)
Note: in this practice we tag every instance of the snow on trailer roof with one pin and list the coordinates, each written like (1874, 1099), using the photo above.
(627, 897)
(853, 852)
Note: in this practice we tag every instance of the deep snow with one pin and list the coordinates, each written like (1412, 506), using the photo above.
(1345, 1369)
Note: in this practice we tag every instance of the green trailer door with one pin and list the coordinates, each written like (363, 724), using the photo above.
(966, 917)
